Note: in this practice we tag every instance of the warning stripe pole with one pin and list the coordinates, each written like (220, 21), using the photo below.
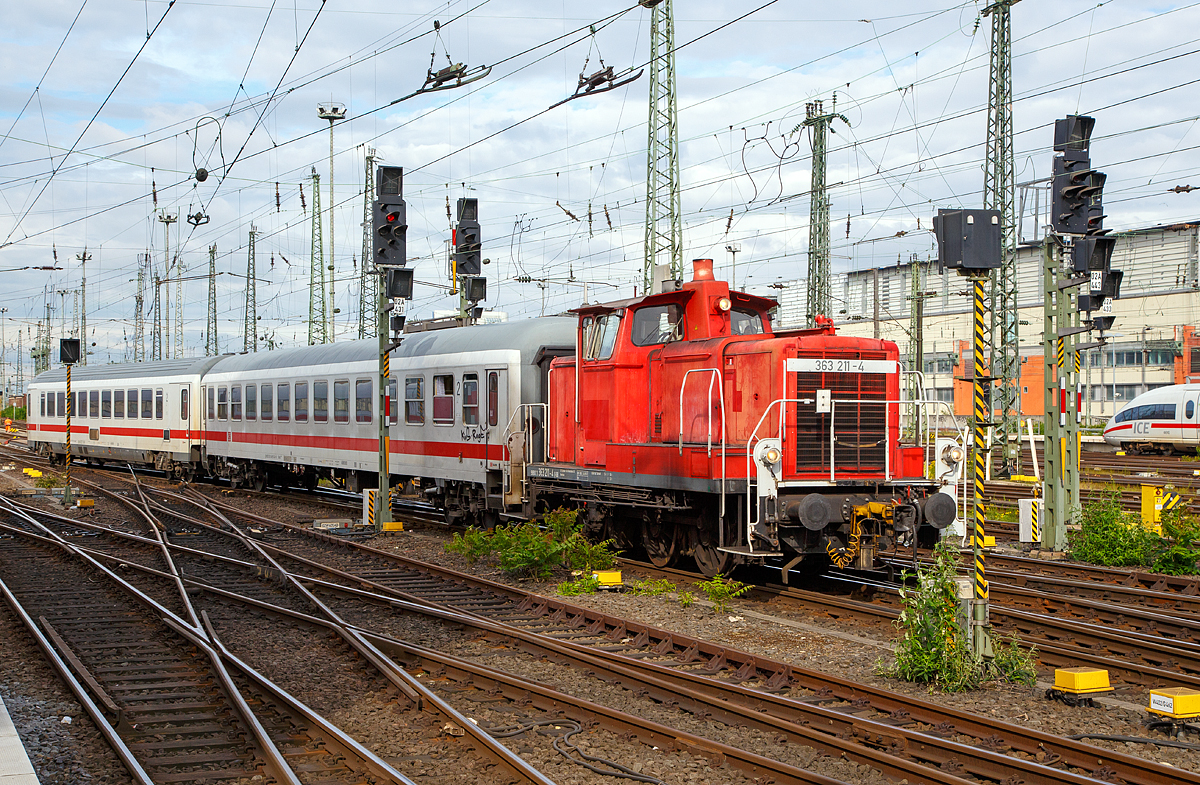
(981, 418)
(70, 411)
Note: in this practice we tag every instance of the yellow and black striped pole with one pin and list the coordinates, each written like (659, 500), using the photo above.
(981, 419)
(70, 410)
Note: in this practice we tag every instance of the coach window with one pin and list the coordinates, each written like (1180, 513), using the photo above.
(362, 400)
(443, 400)
(119, 404)
(131, 404)
(159, 402)
(1191, 409)
(264, 406)
(284, 410)
(235, 402)
(341, 400)
(223, 403)
(42, 398)
(414, 400)
(493, 409)
(656, 324)
(393, 402)
(320, 401)
(212, 402)
(106, 404)
(183, 404)
(147, 404)
(76, 399)
(251, 401)
(470, 399)
(94, 404)
(301, 401)
(62, 404)
(49, 404)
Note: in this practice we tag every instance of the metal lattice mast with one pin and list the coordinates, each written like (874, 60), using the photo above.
(156, 348)
(999, 193)
(367, 281)
(818, 215)
(318, 322)
(250, 327)
(139, 316)
(20, 366)
(664, 232)
(83, 338)
(211, 347)
(180, 269)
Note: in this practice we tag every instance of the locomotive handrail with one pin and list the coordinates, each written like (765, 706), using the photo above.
(918, 431)
(750, 524)
(714, 377)
(525, 411)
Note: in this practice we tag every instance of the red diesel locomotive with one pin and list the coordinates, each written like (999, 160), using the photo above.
(685, 425)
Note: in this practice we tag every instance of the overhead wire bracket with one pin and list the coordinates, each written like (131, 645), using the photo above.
(602, 80)
(452, 76)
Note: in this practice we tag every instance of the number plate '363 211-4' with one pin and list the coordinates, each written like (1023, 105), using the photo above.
(839, 365)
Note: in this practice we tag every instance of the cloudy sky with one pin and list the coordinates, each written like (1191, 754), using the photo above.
(108, 108)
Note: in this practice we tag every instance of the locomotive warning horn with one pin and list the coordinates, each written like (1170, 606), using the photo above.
(703, 270)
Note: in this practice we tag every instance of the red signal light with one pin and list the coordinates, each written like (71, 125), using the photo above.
(392, 217)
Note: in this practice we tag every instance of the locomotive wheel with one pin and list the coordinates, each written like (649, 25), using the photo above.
(711, 561)
(661, 541)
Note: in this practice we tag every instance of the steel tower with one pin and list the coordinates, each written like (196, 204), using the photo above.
(818, 215)
(250, 326)
(664, 232)
(999, 193)
(211, 348)
(318, 323)
(367, 279)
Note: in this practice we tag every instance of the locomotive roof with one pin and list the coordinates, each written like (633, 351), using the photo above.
(157, 368)
(528, 336)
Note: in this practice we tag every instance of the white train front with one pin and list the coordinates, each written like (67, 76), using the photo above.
(1166, 419)
(294, 416)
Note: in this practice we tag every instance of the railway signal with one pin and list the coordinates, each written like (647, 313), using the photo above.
(968, 240)
(68, 354)
(468, 246)
(390, 218)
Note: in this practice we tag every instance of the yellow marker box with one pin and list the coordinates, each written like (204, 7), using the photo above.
(85, 503)
(1081, 681)
(609, 579)
(1179, 703)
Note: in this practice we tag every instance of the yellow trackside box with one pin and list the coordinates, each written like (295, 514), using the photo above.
(1081, 681)
(1180, 703)
(609, 579)
(85, 503)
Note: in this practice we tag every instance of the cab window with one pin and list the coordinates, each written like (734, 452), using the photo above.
(657, 324)
(600, 335)
(1191, 409)
(743, 321)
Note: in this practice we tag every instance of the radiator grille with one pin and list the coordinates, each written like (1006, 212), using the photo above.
(860, 434)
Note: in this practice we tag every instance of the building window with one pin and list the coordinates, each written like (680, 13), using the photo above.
(223, 404)
(235, 402)
(265, 404)
(341, 400)
(443, 400)
(945, 394)
(362, 400)
(1195, 363)
(119, 404)
(251, 401)
(301, 401)
(414, 400)
(320, 405)
(283, 410)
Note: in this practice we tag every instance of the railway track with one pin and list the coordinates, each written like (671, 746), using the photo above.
(173, 707)
(718, 677)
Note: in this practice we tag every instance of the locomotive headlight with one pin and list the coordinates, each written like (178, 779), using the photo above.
(953, 454)
(772, 455)
(723, 305)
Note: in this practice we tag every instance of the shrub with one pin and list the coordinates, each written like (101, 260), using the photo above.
(721, 590)
(528, 551)
(1179, 549)
(473, 544)
(1111, 537)
(934, 647)
(686, 599)
(49, 481)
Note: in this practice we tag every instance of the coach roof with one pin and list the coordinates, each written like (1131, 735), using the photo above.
(526, 336)
(186, 366)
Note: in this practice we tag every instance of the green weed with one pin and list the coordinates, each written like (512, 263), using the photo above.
(473, 544)
(721, 590)
(650, 588)
(1111, 537)
(587, 584)
(686, 599)
(1179, 549)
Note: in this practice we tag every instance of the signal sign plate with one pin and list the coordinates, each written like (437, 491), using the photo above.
(1097, 280)
(1107, 306)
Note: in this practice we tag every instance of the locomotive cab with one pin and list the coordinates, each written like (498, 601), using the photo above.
(686, 425)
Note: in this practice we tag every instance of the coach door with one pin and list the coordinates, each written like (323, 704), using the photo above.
(1189, 418)
(494, 415)
(178, 421)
